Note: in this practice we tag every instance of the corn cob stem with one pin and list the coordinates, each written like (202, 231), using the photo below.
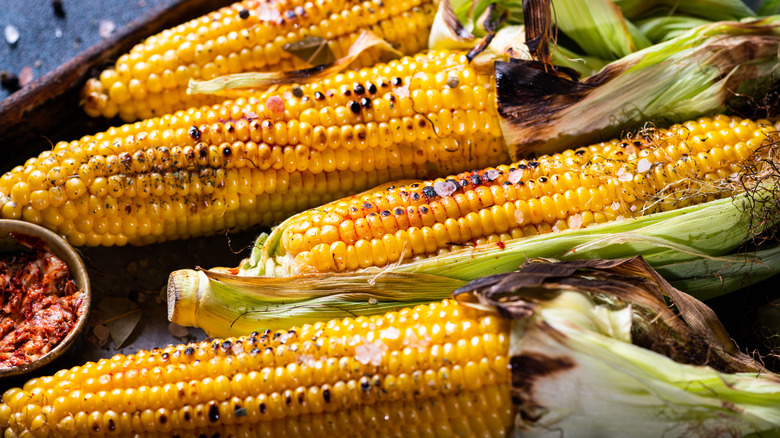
(254, 161)
(436, 369)
(151, 80)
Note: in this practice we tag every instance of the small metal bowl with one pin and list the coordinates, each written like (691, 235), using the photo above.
(62, 249)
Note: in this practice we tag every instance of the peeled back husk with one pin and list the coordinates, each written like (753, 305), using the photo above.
(597, 350)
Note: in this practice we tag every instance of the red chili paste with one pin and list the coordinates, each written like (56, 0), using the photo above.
(39, 302)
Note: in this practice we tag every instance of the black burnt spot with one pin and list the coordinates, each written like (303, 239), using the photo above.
(424, 209)
(579, 152)
(542, 179)
(290, 14)
(399, 211)
(397, 81)
(522, 166)
(262, 408)
(415, 196)
(365, 385)
(354, 106)
(213, 413)
(429, 191)
(227, 151)
(371, 88)
(326, 395)
(194, 132)
(226, 345)
(189, 351)
(203, 152)
(533, 164)
(450, 180)
(475, 179)
(359, 89)
(367, 205)
(297, 91)
(243, 14)
(319, 96)
(463, 182)
(637, 143)
(385, 213)
(365, 102)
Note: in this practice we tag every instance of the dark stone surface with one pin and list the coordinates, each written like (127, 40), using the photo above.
(39, 46)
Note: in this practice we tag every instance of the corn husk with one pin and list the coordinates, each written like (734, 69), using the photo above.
(608, 348)
(696, 73)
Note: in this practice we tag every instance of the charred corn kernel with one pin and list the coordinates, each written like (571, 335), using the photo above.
(436, 363)
(660, 170)
(240, 164)
(246, 36)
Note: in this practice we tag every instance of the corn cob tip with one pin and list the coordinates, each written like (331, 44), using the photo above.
(183, 293)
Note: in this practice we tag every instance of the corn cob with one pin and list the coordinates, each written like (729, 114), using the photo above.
(439, 369)
(255, 161)
(151, 80)
(659, 170)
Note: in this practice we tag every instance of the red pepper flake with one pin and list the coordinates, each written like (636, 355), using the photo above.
(275, 104)
(26, 76)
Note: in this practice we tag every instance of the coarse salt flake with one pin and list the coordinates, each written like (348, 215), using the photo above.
(11, 34)
(491, 174)
(370, 352)
(734, 177)
(26, 76)
(625, 177)
(444, 188)
(575, 222)
(250, 115)
(519, 216)
(615, 205)
(237, 348)
(275, 104)
(106, 28)
(402, 91)
(515, 176)
(391, 333)
(266, 12)
(643, 165)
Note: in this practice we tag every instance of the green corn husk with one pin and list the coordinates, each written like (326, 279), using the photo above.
(714, 10)
(660, 29)
(680, 79)
(597, 351)
(696, 247)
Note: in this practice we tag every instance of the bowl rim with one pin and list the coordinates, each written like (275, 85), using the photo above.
(67, 253)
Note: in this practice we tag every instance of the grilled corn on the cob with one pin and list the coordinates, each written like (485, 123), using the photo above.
(655, 171)
(151, 80)
(255, 161)
(604, 327)
(439, 369)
